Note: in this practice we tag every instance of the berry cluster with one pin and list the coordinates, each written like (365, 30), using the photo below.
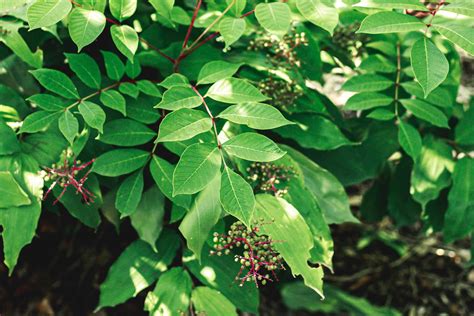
(283, 94)
(269, 177)
(65, 176)
(280, 51)
(258, 255)
(346, 38)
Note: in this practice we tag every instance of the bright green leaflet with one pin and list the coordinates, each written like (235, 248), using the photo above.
(231, 29)
(197, 166)
(11, 192)
(129, 193)
(202, 216)
(47, 12)
(255, 115)
(148, 217)
(144, 266)
(211, 302)
(120, 161)
(429, 64)
(183, 124)
(171, 295)
(85, 26)
(253, 147)
(274, 17)
(289, 225)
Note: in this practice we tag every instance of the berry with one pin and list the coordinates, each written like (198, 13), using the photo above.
(257, 253)
(269, 177)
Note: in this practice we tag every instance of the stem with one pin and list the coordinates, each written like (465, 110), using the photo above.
(433, 13)
(213, 119)
(94, 94)
(191, 25)
(212, 24)
(397, 80)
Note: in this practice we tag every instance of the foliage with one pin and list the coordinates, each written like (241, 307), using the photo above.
(215, 106)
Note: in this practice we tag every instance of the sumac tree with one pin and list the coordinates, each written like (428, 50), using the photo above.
(193, 120)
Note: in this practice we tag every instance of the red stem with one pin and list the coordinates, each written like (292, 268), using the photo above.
(191, 25)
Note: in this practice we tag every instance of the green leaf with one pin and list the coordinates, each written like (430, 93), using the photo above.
(126, 39)
(327, 189)
(93, 115)
(163, 7)
(48, 102)
(120, 161)
(296, 296)
(237, 196)
(202, 217)
(290, 226)
(171, 295)
(173, 80)
(133, 69)
(367, 83)
(16, 42)
(367, 100)
(253, 147)
(85, 67)
(314, 131)
(93, 4)
(393, 4)
(210, 302)
(319, 13)
(464, 131)
(233, 90)
(85, 26)
(114, 100)
(255, 115)
(231, 29)
(409, 139)
(426, 111)
(129, 89)
(12, 193)
(136, 269)
(141, 109)
(439, 96)
(429, 65)
(148, 218)
(431, 172)
(463, 7)
(390, 22)
(216, 70)
(113, 65)
(178, 97)
(9, 143)
(129, 193)
(69, 126)
(149, 88)
(378, 63)
(198, 164)
(38, 121)
(183, 124)
(24, 218)
(122, 9)
(125, 132)
(219, 273)
(459, 218)
(56, 82)
(274, 17)
(305, 202)
(44, 13)
(458, 34)
(162, 172)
